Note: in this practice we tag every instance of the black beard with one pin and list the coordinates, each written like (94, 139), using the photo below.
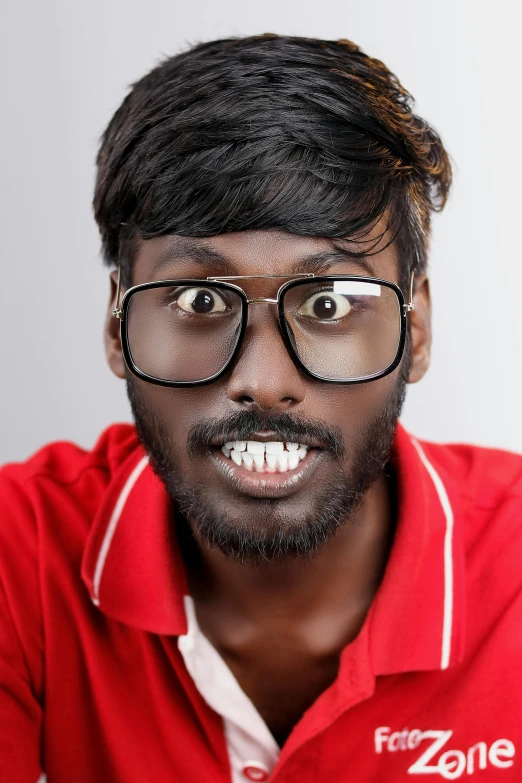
(278, 537)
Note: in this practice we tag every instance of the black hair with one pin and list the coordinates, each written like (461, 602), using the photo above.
(312, 137)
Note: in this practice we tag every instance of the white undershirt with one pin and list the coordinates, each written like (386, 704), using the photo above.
(248, 737)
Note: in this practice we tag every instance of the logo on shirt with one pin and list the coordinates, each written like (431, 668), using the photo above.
(439, 759)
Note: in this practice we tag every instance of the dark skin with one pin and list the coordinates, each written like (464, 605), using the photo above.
(280, 626)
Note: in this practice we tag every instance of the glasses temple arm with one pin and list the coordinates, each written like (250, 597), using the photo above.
(410, 306)
(117, 313)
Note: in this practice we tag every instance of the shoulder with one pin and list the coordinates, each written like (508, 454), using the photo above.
(46, 506)
(64, 462)
(484, 487)
(47, 503)
(487, 478)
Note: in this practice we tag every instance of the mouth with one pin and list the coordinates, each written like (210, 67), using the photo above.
(269, 469)
(271, 457)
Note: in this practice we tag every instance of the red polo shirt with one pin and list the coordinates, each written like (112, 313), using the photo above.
(106, 678)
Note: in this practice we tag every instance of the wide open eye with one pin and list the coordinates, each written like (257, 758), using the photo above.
(326, 306)
(201, 301)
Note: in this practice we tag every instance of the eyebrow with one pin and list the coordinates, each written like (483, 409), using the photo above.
(320, 263)
(182, 248)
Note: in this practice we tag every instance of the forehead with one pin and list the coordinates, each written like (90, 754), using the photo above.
(262, 252)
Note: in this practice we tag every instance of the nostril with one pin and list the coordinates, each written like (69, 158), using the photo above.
(246, 399)
(263, 405)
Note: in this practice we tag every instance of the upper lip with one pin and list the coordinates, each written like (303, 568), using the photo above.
(269, 437)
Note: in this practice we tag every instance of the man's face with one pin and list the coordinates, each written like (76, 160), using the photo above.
(264, 396)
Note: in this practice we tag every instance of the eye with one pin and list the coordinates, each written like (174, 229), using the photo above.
(201, 301)
(326, 305)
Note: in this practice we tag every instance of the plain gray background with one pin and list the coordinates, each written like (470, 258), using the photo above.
(65, 67)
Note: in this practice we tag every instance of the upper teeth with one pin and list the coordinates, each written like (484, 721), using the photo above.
(271, 457)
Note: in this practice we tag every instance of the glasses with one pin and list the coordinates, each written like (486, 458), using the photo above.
(336, 328)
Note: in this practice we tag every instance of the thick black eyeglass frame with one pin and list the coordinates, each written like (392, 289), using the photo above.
(121, 312)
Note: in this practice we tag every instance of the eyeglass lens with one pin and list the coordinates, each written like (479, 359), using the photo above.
(183, 333)
(339, 329)
(344, 329)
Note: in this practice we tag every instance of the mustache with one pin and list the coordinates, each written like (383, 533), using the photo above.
(241, 425)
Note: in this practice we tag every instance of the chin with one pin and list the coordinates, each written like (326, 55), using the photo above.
(261, 529)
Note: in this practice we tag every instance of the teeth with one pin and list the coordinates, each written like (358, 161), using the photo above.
(259, 462)
(255, 447)
(270, 457)
(271, 462)
(236, 456)
(282, 461)
(248, 460)
(293, 460)
(238, 445)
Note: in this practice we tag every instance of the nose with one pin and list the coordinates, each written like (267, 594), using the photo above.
(263, 375)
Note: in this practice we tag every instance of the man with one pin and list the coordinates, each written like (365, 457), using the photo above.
(266, 578)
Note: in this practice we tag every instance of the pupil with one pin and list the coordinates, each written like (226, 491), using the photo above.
(203, 302)
(324, 307)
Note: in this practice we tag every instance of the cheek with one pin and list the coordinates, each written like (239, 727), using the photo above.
(177, 410)
(352, 408)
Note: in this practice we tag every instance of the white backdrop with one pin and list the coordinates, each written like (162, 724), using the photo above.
(65, 66)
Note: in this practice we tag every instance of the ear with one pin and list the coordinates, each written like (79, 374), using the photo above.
(113, 350)
(420, 329)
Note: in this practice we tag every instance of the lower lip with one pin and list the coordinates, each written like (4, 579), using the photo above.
(268, 485)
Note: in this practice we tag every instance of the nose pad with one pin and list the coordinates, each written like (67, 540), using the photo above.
(290, 333)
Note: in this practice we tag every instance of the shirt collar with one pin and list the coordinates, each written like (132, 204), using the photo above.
(134, 572)
(131, 564)
(417, 617)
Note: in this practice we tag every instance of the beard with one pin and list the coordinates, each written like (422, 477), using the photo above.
(272, 530)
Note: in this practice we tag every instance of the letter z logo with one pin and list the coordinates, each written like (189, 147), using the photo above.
(440, 737)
